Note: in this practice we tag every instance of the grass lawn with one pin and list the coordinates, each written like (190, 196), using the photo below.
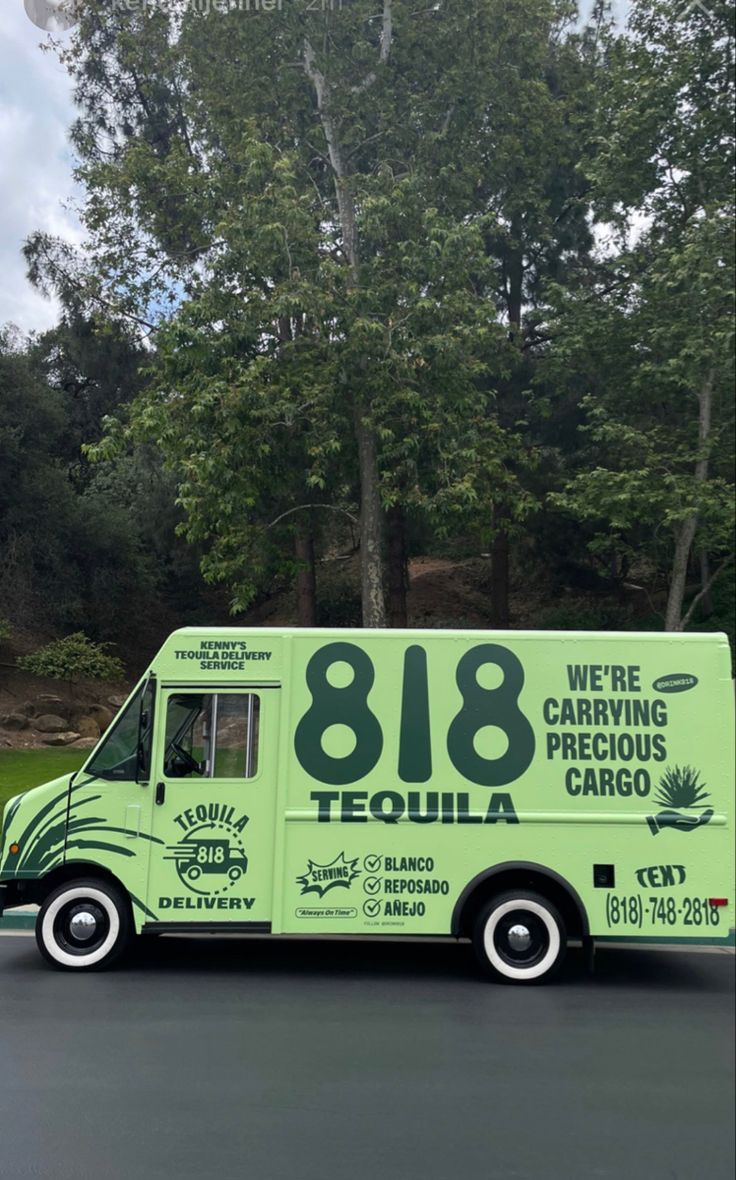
(21, 769)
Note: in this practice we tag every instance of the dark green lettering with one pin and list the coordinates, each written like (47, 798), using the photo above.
(324, 801)
(490, 706)
(339, 706)
(501, 807)
(415, 749)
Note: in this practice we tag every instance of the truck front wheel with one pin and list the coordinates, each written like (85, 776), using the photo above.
(83, 925)
(520, 937)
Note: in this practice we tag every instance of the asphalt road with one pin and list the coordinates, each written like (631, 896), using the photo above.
(272, 1060)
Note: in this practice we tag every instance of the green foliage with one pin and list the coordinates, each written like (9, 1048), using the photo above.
(37, 504)
(343, 243)
(715, 612)
(73, 658)
(653, 344)
(83, 546)
(339, 601)
(646, 336)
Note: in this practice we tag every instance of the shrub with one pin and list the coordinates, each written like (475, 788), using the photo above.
(338, 601)
(73, 658)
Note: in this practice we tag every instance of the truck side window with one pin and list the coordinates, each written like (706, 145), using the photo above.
(212, 735)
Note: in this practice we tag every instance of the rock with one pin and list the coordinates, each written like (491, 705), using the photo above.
(50, 723)
(117, 700)
(28, 708)
(88, 727)
(83, 743)
(102, 716)
(14, 721)
(49, 700)
(61, 739)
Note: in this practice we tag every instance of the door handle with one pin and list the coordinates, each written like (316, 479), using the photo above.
(160, 792)
(132, 820)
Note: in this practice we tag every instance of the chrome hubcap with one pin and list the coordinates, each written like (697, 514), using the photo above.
(83, 925)
(519, 937)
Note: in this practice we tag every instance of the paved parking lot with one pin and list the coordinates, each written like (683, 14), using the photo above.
(354, 1061)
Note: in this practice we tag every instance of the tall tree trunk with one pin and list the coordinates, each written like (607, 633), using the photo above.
(514, 277)
(500, 572)
(515, 280)
(705, 582)
(371, 522)
(397, 566)
(371, 526)
(686, 533)
(678, 577)
(306, 582)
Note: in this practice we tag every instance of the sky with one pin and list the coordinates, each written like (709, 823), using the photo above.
(35, 161)
(36, 183)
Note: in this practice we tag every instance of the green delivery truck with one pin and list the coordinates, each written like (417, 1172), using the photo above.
(519, 789)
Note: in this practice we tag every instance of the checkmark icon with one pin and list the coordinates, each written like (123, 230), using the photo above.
(372, 862)
(372, 908)
(372, 885)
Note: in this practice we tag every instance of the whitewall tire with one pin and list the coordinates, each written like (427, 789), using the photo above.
(520, 937)
(83, 925)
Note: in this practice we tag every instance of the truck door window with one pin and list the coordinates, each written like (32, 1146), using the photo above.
(212, 735)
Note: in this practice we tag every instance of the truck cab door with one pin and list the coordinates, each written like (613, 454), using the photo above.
(214, 806)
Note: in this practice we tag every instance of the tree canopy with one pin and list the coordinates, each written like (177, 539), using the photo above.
(402, 278)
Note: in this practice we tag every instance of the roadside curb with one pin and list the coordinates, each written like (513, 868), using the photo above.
(20, 919)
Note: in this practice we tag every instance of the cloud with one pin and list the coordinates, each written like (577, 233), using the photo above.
(35, 161)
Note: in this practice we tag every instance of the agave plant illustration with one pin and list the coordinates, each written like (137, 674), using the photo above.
(680, 786)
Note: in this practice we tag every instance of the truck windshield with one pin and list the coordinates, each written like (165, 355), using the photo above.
(125, 752)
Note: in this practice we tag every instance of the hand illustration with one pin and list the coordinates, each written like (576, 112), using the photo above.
(676, 819)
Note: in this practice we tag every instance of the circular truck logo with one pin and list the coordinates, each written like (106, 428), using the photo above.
(211, 859)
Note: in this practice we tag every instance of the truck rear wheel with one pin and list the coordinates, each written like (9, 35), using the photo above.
(520, 937)
(83, 925)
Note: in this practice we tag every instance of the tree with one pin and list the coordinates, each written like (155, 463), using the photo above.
(36, 502)
(350, 201)
(95, 364)
(537, 138)
(653, 328)
(83, 546)
(450, 271)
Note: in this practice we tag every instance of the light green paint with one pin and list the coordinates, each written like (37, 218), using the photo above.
(394, 767)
